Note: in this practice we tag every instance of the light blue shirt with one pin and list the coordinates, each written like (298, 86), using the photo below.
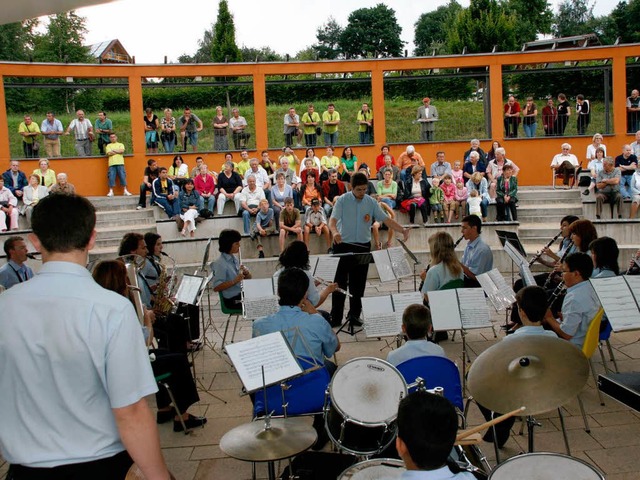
(531, 330)
(439, 474)
(312, 291)
(314, 329)
(478, 257)
(578, 309)
(355, 217)
(437, 276)
(226, 268)
(438, 170)
(76, 353)
(11, 274)
(413, 349)
(46, 128)
(483, 188)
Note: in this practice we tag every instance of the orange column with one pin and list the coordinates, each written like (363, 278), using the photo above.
(136, 110)
(619, 87)
(377, 100)
(260, 111)
(5, 151)
(495, 92)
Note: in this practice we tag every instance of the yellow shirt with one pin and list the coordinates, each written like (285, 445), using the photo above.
(30, 129)
(330, 117)
(306, 118)
(242, 167)
(118, 158)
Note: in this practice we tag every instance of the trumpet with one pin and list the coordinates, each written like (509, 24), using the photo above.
(552, 274)
(327, 283)
(539, 254)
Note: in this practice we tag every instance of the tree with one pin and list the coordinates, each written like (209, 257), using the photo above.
(621, 23)
(481, 27)
(16, 40)
(264, 54)
(575, 17)
(533, 17)
(328, 36)
(372, 33)
(224, 48)
(431, 28)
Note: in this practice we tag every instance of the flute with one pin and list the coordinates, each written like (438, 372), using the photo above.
(327, 283)
(539, 254)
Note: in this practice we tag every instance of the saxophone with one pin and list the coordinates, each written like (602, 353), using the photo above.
(163, 303)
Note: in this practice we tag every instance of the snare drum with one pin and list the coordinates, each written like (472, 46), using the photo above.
(375, 469)
(364, 395)
(532, 466)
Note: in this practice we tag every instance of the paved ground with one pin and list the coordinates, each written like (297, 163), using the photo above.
(612, 445)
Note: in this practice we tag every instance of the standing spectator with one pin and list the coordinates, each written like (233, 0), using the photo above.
(229, 187)
(290, 223)
(104, 128)
(15, 179)
(479, 184)
(62, 186)
(388, 165)
(564, 112)
(16, 270)
(380, 162)
(115, 151)
(238, 126)
(627, 163)
(33, 193)
(595, 166)
(440, 168)
(328, 162)
(349, 163)
(206, 187)
(495, 167)
(292, 128)
(426, 117)
(51, 129)
(149, 175)
(405, 161)
(279, 193)
(461, 196)
(220, 134)
(165, 195)
(8, 208)
(511, 117)
(387, 188)
(565, 164)
(449, 200)
(436, 198)
(549, 118)
(583, 112)
(46, 175)
(168, 131)
(475, 147)
(416, 195)
(250, 202)
(190, 203)
(608, 185)
(595, 144)
(473, 165)
(530, 118)
(311, 122)
(332, 188)
(364, 119)
(29, 132)
(507, 194)
(331, 120)
(633, 111)
(189, 125)
(315, 220)
(151, 126)
(83, 132)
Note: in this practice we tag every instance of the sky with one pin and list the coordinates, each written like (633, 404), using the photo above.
(151, 30)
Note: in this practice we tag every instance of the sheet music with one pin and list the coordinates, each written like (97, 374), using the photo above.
(526, 275)
(514, 254)
(634, 285)
(383, 265)
(491, 289)
(503, 287)
(409, 252)
(258, 288)
(618, 302)
(445, 313)
(271, 351)
(403, 300)
(380, 319)
(188, 289)
(399, 262)
(259, 298)
(474, 312)
(325, 267)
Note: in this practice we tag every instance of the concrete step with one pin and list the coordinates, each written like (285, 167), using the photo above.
(549, 196)
(114, 203)
(114, 218)
(111, 236)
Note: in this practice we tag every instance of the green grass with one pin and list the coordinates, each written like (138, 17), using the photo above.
(459, 120)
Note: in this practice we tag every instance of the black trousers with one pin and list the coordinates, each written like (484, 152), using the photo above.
(501, 208)
(351, 274)
(180, 382)
(112, 468)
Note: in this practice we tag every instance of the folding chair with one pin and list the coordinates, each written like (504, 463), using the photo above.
(230, 312)
(605, 334)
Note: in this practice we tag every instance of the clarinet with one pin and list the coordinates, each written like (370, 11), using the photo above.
(632, 265)
(556, 293)
(539, 254)
(552, 274)
(458, 241)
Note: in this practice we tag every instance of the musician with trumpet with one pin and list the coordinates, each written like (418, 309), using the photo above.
(75, 373)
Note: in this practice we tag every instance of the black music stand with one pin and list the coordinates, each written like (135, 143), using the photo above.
(513, 239)
(416, 262)
(362, 258)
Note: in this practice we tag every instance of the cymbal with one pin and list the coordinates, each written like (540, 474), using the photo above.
(251, 442)
(538, 372)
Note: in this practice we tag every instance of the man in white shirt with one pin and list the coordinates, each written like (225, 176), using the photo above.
(83, 131)
(250, 201)
(565, 164)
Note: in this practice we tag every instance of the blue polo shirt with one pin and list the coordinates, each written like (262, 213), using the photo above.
(478, 257)
(355, 217)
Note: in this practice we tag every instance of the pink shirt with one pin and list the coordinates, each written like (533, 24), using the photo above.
(449, 191)
(461, 194)
(457, 175)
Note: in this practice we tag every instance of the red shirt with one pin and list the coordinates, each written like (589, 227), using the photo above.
(204, 185)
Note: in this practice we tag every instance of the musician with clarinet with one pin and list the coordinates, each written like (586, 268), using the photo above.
(477, 257)
(16, 270)
(350, 224)
(75, 372)
(444, 267)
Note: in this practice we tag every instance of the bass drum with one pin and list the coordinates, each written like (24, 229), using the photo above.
(377, 468)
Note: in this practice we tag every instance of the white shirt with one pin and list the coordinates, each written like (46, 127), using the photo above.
(561, 157)
(81, 128)
(262, 178)
(252, 199)
(591, 151)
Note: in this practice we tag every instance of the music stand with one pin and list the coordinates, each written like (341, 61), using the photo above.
(361, 258)
(412, 257)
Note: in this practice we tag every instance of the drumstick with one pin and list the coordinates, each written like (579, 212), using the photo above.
(473, 439)
(490, 423)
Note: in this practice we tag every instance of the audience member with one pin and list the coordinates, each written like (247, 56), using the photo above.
(267, 163)
(178, 172)
(495, 167)
(507, 195)
(635, 145)
(206, 188)
(83, 133)
(388, 165)
(150, 174)
(292, 128)
(15, 179)
(474, 164)
(168, 131)
(332, 188)
(348, 163)
(635, 193)
(151, 126)
(627, 163)
(595, 166)
(475, 147)
(310, 191)
(608, 185)
(449, 197)
(331, 121)
(290, 222)
(264, 225)
(456, 172)
(405, 160)
(33, 193)
(565, 164)
(189, 125)
(491, 154)
(440, 167)
(47, 175)
(511, 117)
(564, 112)
(583, 112)
(477, 183)
(387, 188)
(190, 203)
(377, 226)
(220, 134)
(195, 171)
(250, 201)
(633, 111)
(315, 220)
(103, 128)
(261, 176)
(243, 165)
(595, 144)
(380, 159)
(310, 154)
(51, 129)
(164, 194)
(530, 118)
(549, 118)
(311, 126)
(115, 151)
(29, 132)
(8, 208)
(328, 162)
(279, 193)
(416, 195)
(417, 327)
(364, 119)
(229, 187)
(239, 132)
(436, 199)
(427, 116)
(16, 270)
(62, 185)
(461, 196)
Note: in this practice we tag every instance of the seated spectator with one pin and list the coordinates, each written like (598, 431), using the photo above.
(206, 188)
(371, 189)
(227, 271)
(406, 159)
(635, 193)
(377, 226)
(596, 143)
(380, 159)
(165, 194)
(309, 191)
(229, 187)
(456, 172)
(332, 188)
(267, 163)
(461, 196)
(507, 195)
(150, 174)
(387, 188)
(195, 171)
(46, 174)
(290, 223)
(388, 164)
(440, 167)
(290, 178)
(417, 327)
(261, 176)
(279, 193)
(473, 165)
(608, 185)
(594, 167)
(8, 208)
(290, 155)
(62, 185)
(349, 164)
(328, 162)
(478, 184)
(15, 179)
(565, 164)
(315, 220)
(627, 163)
(178, 171)
(494, 170)
(491, 154)
(33, 193)
(475, 147)
(310, 153)
(307, 167)
(416, 195)
(445, 266)
(250, 202)
(436, 200)
(16, 270)
(190, 203)
(449, 201)
(265, 225)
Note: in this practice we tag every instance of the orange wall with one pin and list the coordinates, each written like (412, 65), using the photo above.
(532, 155)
